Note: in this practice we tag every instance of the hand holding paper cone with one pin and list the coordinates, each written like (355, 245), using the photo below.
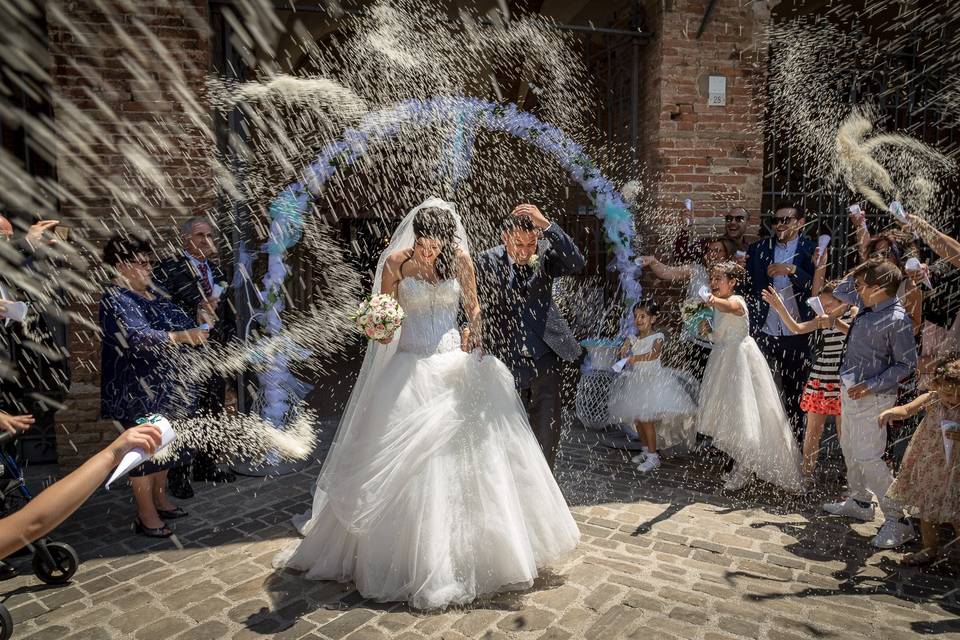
(138, 456)
(817, 306)
(15, 311)
(822, 243)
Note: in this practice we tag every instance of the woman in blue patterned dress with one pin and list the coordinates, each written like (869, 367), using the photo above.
(141, 335)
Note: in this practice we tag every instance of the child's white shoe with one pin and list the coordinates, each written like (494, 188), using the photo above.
(850, 509)
(641, 457)
(652, 462)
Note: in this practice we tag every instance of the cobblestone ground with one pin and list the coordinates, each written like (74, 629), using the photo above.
(661, 557)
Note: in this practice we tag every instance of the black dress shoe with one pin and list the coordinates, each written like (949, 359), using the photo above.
(180, 488)
(214, 475)
(7, 571)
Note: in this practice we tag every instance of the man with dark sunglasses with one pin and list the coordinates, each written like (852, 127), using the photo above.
(785, 261)
(686, 249)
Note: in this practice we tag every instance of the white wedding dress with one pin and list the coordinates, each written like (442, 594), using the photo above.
(740, 405)
(445, 494)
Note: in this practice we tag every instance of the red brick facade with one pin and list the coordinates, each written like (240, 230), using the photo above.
(712, 154)
(98, 98)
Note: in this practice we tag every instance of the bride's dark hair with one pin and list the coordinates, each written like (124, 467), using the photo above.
(438, 224)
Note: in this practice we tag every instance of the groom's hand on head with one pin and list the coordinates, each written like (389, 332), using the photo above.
(536, 216)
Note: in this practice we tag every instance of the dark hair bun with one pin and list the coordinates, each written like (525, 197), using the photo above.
(124, 247)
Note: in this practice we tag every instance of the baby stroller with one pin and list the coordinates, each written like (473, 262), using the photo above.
(53, 562)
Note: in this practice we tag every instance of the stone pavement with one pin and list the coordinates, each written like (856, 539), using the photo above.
(666, 556)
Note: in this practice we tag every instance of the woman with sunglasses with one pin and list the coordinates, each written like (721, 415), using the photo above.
(142, 333)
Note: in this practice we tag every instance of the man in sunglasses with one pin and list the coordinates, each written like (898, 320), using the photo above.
(785, 261)
(685, 249)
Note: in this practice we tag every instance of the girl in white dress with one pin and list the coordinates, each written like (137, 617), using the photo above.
(646, 393)
(739, 403)
(435, 490)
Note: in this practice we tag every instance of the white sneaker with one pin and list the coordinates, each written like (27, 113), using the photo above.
(651, 463)
(640, 457)
(737, 479)
(894, 533)
(850, 509)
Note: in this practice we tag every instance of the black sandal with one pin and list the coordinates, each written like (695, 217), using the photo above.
(147, 532)
(172, 514)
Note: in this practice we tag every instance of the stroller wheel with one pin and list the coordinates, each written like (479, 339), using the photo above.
(6, 623)
(65, 563)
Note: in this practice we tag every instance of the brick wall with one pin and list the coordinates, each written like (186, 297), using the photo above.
(712, 154)
(120, 71)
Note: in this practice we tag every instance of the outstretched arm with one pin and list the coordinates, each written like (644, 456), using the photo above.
(61, 499)
(467, 274)
(665, 272)
(942, 244)
(727, 305)
(771, 297)
(820, 262)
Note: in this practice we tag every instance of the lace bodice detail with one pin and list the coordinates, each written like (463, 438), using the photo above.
(430, 325)
(729, 328)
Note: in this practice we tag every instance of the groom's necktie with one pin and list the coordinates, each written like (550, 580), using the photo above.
(521, 275)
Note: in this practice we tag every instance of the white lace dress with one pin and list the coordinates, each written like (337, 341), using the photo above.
(470, 506)
(740, 405)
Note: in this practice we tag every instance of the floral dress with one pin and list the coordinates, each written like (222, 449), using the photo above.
(927, 485)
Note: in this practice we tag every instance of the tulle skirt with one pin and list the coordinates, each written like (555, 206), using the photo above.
(651, 392)
(740, 408)
(464, 502)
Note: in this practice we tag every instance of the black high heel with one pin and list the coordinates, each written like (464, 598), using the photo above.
(172, 514)
(157, 532)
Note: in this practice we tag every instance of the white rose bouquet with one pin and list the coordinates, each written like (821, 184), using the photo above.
(378, 317)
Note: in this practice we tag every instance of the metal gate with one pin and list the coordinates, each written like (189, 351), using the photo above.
(906, 90)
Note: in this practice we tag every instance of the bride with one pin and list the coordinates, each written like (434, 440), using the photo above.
(435, 490)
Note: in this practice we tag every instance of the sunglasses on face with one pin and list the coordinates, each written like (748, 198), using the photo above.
(778, 220)
(734, 218)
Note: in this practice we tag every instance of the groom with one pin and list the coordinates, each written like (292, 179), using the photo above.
(515, 282)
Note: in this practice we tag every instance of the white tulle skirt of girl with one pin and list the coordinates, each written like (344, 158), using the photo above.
(651, 392)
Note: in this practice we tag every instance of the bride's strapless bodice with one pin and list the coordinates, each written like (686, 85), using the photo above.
(430, 323)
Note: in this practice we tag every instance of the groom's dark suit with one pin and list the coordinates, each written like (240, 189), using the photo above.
(515, 301)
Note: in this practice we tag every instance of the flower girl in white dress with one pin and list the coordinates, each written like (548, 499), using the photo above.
(648, 395)
(739, 403)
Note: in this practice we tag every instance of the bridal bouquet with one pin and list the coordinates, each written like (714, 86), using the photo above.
(693, 314)
(378, 317)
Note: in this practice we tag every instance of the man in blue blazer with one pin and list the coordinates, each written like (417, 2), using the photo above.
(785, 261)
(515, 286)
